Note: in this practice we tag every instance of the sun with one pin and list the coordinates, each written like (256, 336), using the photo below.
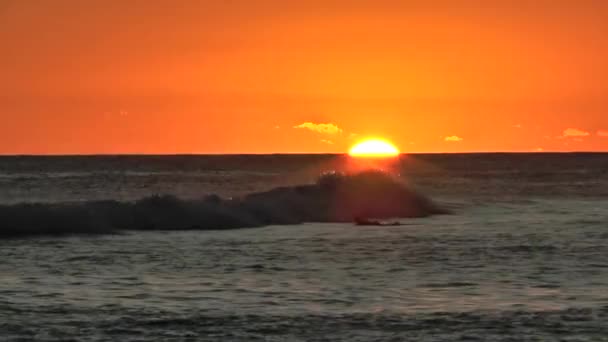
(374, 148)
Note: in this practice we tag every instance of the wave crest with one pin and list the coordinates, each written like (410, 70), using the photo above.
(335, 197)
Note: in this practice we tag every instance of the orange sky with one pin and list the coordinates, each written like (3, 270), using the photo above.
(195, 76)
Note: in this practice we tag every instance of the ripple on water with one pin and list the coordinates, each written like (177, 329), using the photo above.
(445, 278)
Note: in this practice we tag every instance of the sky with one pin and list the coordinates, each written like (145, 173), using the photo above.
(275, 76)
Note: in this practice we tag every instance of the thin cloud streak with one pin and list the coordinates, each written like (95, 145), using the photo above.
(453, 138)
(575, 132)
(323, 128)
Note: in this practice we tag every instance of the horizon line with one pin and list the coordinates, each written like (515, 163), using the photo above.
(2, 155)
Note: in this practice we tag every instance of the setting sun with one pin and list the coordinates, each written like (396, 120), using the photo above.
(374, 148)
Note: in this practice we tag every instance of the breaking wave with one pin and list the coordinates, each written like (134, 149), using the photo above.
(335, 197)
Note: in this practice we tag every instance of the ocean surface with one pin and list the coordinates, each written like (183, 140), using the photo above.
(523, 256)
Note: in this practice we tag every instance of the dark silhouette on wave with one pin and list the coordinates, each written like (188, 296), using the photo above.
(335, 197)
(362, 221)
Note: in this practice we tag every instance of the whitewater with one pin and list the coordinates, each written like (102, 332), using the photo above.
(499, 247)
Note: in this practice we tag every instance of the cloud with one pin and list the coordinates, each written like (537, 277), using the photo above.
(575, 133)
(602, 133)
(328, 142)
(324, 128)
(453, 138)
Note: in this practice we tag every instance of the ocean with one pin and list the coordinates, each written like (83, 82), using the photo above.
(494, 247)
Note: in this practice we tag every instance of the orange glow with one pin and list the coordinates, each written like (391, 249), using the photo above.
(374, 148)
(315, 76)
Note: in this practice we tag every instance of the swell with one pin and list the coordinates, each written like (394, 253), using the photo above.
(335, 197)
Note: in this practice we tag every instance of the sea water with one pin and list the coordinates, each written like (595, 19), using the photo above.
(523, 256)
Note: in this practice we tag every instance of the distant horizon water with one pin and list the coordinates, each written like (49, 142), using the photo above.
(285, 153)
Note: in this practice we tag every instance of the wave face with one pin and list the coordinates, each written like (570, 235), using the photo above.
(335, 197)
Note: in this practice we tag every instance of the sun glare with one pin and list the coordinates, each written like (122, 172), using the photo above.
(374, 148)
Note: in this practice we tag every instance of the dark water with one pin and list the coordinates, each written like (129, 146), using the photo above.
(523, 257)
(466, 176)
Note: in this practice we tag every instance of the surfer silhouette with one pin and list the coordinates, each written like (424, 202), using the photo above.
(362, 221)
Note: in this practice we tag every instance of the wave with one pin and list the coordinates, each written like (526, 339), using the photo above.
(335, 197)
